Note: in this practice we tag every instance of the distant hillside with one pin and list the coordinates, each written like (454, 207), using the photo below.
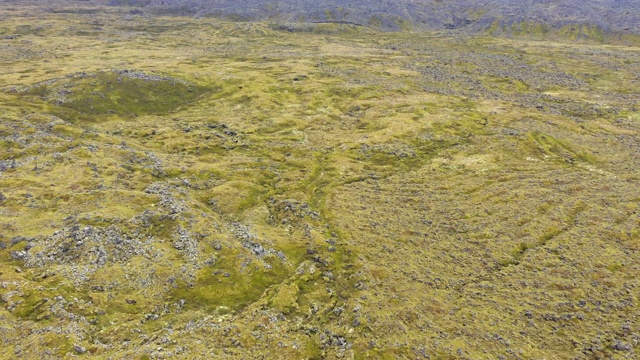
(608, 15)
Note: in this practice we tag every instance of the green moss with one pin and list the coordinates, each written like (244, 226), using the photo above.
(108, 93)
(549, 234)
(615, 267)
(214, 292)
(495, 28)
(419, 235)
(577, 32)
(61, 345)
(286, 299)
(519, 251)
(508, 85)
(548, 146)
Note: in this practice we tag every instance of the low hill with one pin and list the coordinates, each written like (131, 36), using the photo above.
(609, 15)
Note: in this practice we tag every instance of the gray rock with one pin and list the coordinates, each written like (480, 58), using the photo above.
(618, 345)
(18, 255)
(79, 349)
(257, 248)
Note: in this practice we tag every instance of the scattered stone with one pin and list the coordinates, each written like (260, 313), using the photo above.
(17, 240)
(9, 164)
(313, 308)
(79, 349)
(186, 243)
(18, 255)
(168, 202)
(257, 248)
(618, 345)
(335, 340)
(360, 285)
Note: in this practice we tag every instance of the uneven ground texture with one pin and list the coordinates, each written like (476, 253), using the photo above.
(190, 188)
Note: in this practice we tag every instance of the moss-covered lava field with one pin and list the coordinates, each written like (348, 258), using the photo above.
(190, 188)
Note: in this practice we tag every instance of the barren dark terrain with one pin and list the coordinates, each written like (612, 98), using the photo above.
(467, 15)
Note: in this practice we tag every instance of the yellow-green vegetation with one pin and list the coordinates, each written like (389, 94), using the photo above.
(536, 30)
(192, 188)
(116, 92)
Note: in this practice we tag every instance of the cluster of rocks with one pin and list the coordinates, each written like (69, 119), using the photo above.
(212, 134)
(290, 212)
(8, 164)
(139, 75)
(250, 241)
(334, 343)
(185, 242)
(22, 51)
(86, 245)
(172, 206)
(155, 165)
(136, 160)
(464, 69)
(471, 74)
(224, 133)
(361, 77)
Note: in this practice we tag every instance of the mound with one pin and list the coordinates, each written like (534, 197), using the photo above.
(114, 92)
